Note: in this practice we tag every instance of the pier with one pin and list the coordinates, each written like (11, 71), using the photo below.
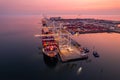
(71, 53)
(68, 49)
(60, 31)
(57, 34)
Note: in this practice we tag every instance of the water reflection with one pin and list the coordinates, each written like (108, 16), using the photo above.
(50, 62)
(88, 60)
(79, 70)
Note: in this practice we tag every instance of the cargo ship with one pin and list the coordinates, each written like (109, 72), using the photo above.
(49, 44)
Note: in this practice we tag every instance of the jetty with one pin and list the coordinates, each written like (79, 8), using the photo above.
(57, 36)
(71, 53)
(67, 48)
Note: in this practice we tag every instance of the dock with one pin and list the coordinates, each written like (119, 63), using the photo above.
(71, 53)
(68, 48)
(61, 32)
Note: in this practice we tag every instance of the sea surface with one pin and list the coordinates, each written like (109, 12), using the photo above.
(21, 57)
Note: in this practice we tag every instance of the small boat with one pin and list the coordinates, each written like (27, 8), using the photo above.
(86, 50)
(96, 54)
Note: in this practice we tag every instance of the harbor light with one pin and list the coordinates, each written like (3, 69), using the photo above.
(79, 70)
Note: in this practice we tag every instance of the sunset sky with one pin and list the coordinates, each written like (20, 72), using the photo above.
(59, 7)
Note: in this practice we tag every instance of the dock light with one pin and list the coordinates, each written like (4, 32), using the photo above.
(76, 34)
(70, 49)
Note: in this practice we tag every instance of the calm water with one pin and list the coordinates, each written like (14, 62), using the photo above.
(20, 58)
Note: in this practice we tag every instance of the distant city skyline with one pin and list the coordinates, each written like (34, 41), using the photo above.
(36, 7)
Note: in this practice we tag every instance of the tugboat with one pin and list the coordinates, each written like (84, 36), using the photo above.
(95, 54)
